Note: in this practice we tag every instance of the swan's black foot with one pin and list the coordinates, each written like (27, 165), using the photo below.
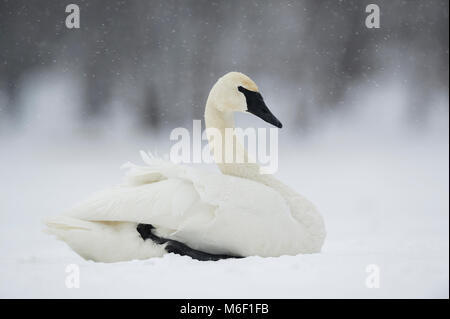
(178, 248)
(173, 246)
(145, 230)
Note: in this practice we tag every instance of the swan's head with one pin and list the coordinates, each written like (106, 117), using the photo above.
(236, 92)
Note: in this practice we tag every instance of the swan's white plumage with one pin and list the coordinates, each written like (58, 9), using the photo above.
(209, 211)
(206, 210)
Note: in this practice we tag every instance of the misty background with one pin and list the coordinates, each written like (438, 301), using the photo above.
(153, 62)
(365, 135)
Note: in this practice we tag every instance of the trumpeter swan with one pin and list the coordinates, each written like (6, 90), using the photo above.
(163, 207)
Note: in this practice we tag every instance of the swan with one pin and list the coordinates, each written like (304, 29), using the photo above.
(163, 207)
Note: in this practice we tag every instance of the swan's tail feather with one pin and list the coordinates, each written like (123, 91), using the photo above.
(102, 241)
(58, 224)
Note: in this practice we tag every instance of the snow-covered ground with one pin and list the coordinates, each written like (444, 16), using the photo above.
(384, 199)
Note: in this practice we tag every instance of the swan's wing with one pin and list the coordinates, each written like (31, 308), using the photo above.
(206, 210)
(163, 203)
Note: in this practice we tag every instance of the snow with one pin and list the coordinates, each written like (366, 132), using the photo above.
(384, 199)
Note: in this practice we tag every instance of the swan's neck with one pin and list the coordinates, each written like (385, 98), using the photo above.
(219, 122)
(225, 147)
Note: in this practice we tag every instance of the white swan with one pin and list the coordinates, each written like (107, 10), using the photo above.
(237, 212)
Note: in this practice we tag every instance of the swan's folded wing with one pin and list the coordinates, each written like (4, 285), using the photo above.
(164, 203)
(206, 210)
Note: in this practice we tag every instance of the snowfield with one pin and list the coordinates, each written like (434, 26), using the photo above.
(385, 200)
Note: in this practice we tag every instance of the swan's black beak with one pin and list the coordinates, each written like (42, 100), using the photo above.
(256, 106)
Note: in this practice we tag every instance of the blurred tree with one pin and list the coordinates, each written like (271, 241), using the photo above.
(165, 55)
